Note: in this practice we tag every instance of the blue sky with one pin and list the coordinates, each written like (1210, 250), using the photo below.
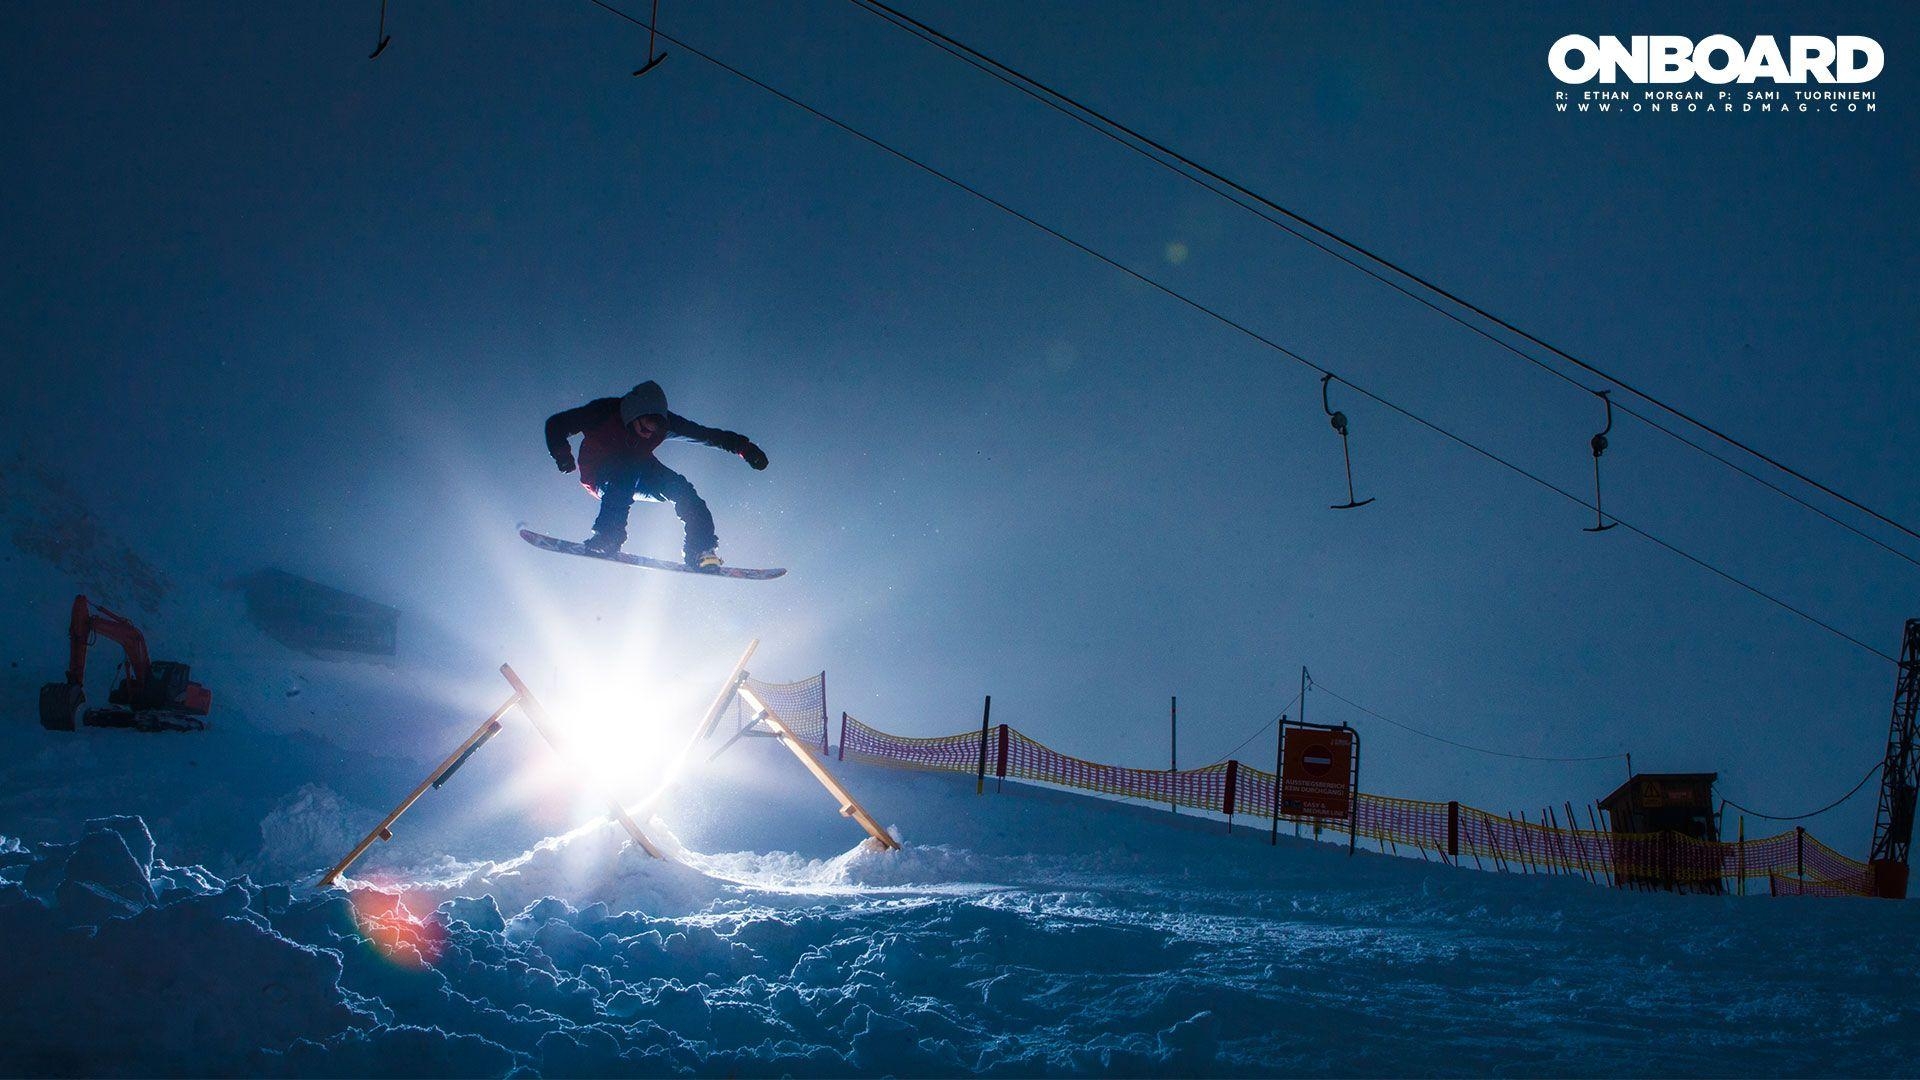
(323, 305)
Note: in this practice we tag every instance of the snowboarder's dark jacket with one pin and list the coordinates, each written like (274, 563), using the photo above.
(612, 447)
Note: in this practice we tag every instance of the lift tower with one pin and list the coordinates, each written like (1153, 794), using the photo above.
(1899, 778)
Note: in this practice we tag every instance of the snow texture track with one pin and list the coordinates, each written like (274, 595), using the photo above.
(1019, 934)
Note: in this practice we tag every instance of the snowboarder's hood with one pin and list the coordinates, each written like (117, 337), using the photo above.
(647, 399)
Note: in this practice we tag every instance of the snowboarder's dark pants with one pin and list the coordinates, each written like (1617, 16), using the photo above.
(654, 482)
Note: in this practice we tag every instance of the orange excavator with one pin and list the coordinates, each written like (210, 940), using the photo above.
(147, 695)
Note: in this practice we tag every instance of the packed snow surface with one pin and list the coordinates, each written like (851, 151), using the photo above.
(504, 931)
(1027, 932)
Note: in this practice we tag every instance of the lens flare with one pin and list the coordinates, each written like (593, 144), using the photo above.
(382, 918)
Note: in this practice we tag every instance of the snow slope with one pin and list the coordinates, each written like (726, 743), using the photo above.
(1018, 933)
(1030, 932)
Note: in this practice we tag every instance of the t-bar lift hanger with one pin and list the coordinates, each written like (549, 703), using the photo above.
(653, 61)
(1340, 425)
(1599, 444)
(380, 36)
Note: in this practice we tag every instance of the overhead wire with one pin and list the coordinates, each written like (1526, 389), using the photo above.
(1144, 148)
(1107, 125)
(1277, 717)
(1811, 813)
(1323, 688)
(1241, 328)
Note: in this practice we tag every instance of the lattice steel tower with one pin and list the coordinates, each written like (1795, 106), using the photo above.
(1900, 778)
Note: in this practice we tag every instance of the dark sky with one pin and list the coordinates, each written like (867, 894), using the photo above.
(269, 302)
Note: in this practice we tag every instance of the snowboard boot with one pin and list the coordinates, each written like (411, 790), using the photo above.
(705, 560)
(605, 542)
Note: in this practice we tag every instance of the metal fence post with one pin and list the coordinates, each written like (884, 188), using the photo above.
(1279, 767)
(1233, 774)
(980, 781)
(1743, 854)
(1000, 771)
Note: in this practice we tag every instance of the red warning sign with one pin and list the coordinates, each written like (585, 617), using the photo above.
(1316, 772)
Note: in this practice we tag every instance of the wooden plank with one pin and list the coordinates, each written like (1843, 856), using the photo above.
(703, 729)
(542, 723)
(849, 806)
(720, 700)
(382, 831)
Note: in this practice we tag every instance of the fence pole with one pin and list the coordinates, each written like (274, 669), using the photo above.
(1233, 774)
(980, 784)
(1568, 846)
(1353, 796)
(1573, 823)
(1520, 842)
(1490, 823)
(1743, 854)
(1453, 828)
(1559, 850)
(1000, 771)
(1669, 864)
(1279, 763)
(1550, 840)
(1613, 879)
(1173, 748)
(843, 736)
(824, 748)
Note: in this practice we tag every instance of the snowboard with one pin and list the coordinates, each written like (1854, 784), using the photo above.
(574, 547)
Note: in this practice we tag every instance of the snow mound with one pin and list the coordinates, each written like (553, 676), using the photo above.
(198, 975)
(595, 864)
(1024, 933)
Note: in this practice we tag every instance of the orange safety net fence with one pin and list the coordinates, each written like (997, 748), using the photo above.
(1791, 862)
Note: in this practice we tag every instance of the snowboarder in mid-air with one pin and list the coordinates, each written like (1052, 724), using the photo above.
(617, 465)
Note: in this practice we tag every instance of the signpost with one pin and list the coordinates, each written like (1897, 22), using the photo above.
(1320, 773)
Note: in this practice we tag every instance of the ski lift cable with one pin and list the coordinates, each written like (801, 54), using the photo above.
(1097, 124)
(1811, 813)
(1318, 685)
(881, 11)
(1243, 329)
(1277, 717)
(1150, 148)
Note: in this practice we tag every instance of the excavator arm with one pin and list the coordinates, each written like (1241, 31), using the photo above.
(90, 619)
(154, 695)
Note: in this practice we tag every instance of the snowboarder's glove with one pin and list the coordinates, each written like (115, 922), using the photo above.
(565, 463)
(755, 456)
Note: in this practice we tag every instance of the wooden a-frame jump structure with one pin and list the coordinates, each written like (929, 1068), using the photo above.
(763, 714)
(537, 715)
